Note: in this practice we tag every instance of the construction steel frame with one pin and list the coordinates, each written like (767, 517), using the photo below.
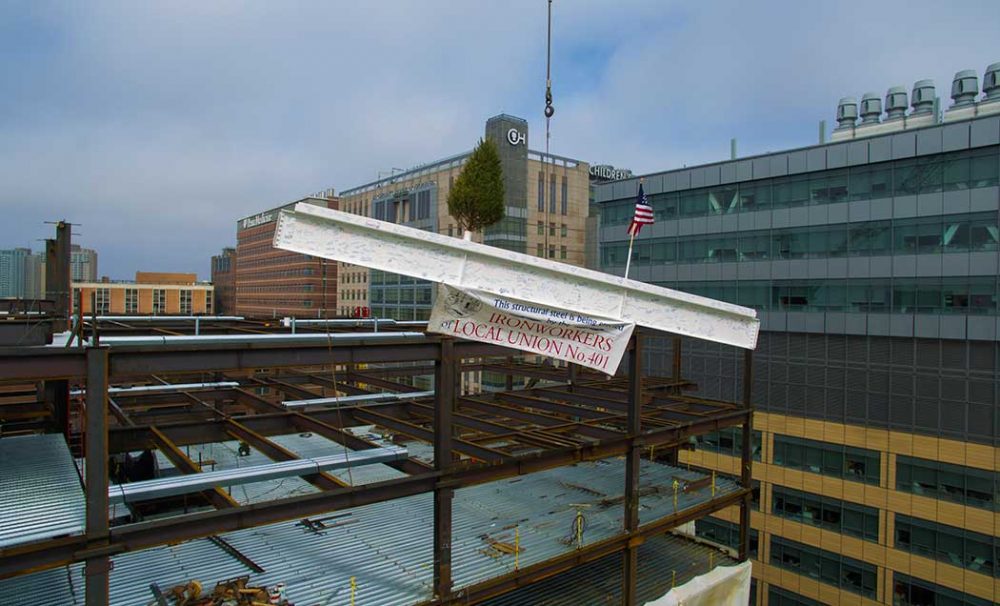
(585, 418)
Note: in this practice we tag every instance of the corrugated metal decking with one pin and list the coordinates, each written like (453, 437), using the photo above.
(387, 547)
(41, 496)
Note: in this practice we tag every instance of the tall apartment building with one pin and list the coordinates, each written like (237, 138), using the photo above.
(873, 262)
(12, 264)
(546, 200)
(82, 264)
(273, 283)
(152, 293)
(224, 280)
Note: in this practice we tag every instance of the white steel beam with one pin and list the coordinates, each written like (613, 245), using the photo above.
(340, 236)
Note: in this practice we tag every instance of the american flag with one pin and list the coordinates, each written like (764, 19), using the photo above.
(643, 213)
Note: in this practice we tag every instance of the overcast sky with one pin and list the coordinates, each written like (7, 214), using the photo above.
(157, 125)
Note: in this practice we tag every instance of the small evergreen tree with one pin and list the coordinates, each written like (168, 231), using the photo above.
(476, 199)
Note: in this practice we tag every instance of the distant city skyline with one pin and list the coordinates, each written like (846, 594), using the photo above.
(156, 126)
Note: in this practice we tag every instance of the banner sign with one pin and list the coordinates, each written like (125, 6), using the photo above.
(597, 343)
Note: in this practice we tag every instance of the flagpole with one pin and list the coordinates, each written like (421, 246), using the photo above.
(628, 260)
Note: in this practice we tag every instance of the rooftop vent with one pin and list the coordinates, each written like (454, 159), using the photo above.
(923, 97)
(847, 112)
(991, 82)
(895, 102)
(871, 108)
(964, 88)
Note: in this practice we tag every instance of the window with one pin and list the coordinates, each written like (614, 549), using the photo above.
(908, 591)
(552, 194)
(552, 229)
(563, 230)
(564, 205)
(937, 480)
(541, 228)
(824, 566)
(540, 252)
(541, 192)
(847, 462)
(102, 299)
(562, 252)
(208, 302)
(728, 441)
(725, 533)
(833, 514)
(552, 251)
(185, 297)
(159, 301)
(131, 300)
(956, 546)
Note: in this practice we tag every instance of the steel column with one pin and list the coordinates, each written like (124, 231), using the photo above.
(444, 385)
(677, 348)
(746, 462)
(632, 462)
(97, 568)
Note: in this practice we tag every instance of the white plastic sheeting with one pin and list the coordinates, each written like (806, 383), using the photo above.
(723, 586)
(340, 236)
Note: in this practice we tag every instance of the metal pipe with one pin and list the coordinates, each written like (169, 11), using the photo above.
(292, 322)
(297, 339)
(165, 318)
(369, 397)
(167, 487)
(167, 387)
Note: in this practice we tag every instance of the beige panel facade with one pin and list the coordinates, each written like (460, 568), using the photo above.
(890, 502)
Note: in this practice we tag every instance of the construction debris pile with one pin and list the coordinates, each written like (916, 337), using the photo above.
(234, 592)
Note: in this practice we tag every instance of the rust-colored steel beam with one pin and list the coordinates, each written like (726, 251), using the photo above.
(559, 564)
(277, 452)
(47, 554)
(482, 453)
(630, 559)
(307, 423)
(217, 497)
(382, 383)
(538, 418)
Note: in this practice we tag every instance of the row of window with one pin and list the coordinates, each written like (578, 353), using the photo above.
(825, 566)
(563, 229)
(102, 300)
(837, 460)
(963, 548)
(966, 549)
(279, 288)
(540, 251)
(929, 174)
(833, 514)
(961, 295)
(399, 209)
(420, 295)
(907, 591)
(353, 295)
(564, 203)
(924, 235)
(725, 533)
(965, 485)
(729, 441)
(948, 482)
